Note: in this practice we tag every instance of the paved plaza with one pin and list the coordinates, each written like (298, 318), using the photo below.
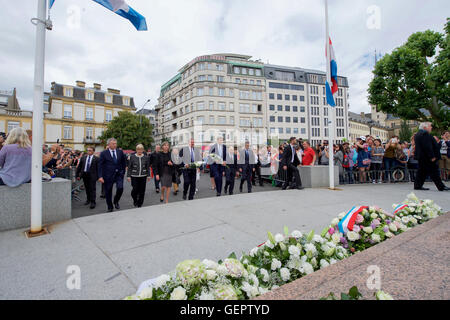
(117, 251)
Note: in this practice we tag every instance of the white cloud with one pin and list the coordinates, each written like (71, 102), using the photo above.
(106, 48)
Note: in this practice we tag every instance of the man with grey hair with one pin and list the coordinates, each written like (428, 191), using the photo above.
(111, 170)
(428, 154)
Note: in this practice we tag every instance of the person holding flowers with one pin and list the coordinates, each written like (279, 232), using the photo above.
(191, 162)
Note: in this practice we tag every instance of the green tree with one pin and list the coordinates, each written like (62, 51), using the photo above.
(413, 81)
(129, 129)
(405, 133)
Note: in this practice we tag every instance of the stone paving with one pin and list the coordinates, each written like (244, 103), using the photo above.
(116, 251)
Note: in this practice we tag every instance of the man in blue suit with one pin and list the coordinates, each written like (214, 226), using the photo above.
(218, 170)
(247, 162)
(111, 169)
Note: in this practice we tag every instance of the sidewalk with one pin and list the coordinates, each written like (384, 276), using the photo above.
(117, 251)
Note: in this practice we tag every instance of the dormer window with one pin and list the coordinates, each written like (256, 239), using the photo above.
(68, 92)
(126, 101)
(89, 95)
(108, 98)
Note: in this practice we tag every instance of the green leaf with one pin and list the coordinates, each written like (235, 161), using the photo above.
(324, 232)
(286, 231)
(354, 293)
(232, 256)
(310, 236)
(271, 238)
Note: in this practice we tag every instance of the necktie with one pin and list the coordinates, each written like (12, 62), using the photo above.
(114, 156)
(88, 164)
(192, 155)
(293, 153)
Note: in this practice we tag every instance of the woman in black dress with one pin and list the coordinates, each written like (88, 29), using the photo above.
(165, 171)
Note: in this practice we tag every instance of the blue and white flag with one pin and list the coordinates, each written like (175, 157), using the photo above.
(124, 10)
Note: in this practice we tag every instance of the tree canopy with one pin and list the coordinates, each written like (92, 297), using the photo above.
(413, 81)
(130, 130)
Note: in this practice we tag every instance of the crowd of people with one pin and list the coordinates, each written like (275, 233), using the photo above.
(367, 160)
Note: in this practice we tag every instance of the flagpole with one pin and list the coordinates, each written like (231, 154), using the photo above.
(332, 110)
(38, 100)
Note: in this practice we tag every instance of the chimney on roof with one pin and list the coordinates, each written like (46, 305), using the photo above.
(98, 86)
(81, 84)
(114, 91)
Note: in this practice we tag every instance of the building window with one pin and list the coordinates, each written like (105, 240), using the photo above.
(251, 72)
(211, 91)
(285, 76)
(89, 133)
(231, 93)
(221, 92)
(272, 118)
(279, 97)
(294, 98)
(222, 120)
(272, 107)
(244, 94)
(244, 71)
(288, 130)
(232, 120)
(244, 122)
(280, 119)
(244, 108)
(231, 106)
(220, 78)
(68, 92)
(237, 70)
(288, 119)
(68, 111)
(67, 133)
(287, 108)
(211, 105)
(222, 106)
(89, 114)
(295, 119)
(271, 96)
(126, 101)
(238, 80)
(89, 96)
(201, 119)
(258, 72)
(211, 119)
(280, 130)
(12, 125)
(295, 109)
(280, 108)
(199, 92)
(108, 116)
(219, 67)
(287, 97)
(200, 106)
(302, 98)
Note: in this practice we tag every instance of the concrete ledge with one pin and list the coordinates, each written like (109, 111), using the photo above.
(15, 204)
(413, 266)
(317, 176)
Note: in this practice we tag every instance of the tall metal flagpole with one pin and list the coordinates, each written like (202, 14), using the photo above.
(332, 110)
(38, 100)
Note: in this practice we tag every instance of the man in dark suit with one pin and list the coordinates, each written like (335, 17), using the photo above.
(188, 156)
(247, 162)
(218, 170)
(289, 163)
(231, 170)
(428, 154)
(111, 170)
(88, 171)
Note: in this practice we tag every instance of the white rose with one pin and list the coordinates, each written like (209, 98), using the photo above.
(279, 238)
(352, 236)
(276, 264)
(318, 238)
(405, 220)
(336, 238)
(314, 262)
(324, 263)
(146, 293)
(368, 230)
(265, 275)
(341, 215)
(389, 234)
(296, 234)
(222, 270)
(333, 261)
(209, 264)
(211, 274)
(308, 268)
(285, 274)
(376, 238)
(374, 215)
(392, 227)
(179, 293)
(294, 251)
(162, 280)
(269, 244)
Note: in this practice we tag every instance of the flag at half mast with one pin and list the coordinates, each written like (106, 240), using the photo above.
(331, 91)
(124, 10)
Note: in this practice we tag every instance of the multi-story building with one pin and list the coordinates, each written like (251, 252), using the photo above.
(73, 115)
(222, 93)
(78, 115)
(363, 125)
(297, 104)
(151, 115)
(240, 99)
(392, 122)
(11, 116)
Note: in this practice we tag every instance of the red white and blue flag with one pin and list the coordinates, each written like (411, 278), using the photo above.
(399, 208)
(347, 223)
(331, 91)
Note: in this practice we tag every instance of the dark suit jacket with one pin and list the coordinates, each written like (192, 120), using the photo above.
(185, 155)
(107, 169)
(232, 161)
(246, 163)
(426, 146)
(287, 157)
(93, 171)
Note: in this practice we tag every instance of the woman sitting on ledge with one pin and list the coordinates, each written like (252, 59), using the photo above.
(15, 159)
